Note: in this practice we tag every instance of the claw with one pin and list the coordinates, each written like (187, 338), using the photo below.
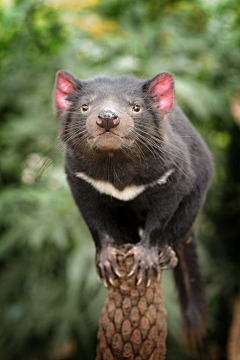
(103, 275)
(100, 270)
(105, 283)
(168, 256)
(109, 271)
(107, 266)
(98, 274)
(149, 282)
(158, 271)
(141, 273)
(111, 281)
(133, 270)
(117, 272)
(150, 275)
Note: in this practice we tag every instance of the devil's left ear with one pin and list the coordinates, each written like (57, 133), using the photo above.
(65, 85)
(161, 90)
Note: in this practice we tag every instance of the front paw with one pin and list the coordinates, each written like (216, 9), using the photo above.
(106, 264)
(145, 258)
(167, 258)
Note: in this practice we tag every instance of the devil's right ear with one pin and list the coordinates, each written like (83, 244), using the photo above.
(65, 85)
(161, 90)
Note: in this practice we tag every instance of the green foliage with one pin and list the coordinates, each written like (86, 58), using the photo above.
(50, 300)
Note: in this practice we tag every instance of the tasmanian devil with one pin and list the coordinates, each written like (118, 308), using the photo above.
(138, 172)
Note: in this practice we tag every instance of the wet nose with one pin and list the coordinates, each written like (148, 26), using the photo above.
(107, 119)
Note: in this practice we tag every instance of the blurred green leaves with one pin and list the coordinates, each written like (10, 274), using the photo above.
(29, 25)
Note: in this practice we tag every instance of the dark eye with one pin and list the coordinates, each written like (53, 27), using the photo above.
(136, 108)
(84, 107)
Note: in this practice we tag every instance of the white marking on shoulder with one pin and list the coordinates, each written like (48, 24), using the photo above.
(163, 179)
(128, 193)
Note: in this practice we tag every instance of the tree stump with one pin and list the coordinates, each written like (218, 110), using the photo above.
(133, 320)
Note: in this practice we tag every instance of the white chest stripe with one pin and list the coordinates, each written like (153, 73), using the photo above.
(128, 193)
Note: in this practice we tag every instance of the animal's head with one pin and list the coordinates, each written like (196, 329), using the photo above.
(112, 114)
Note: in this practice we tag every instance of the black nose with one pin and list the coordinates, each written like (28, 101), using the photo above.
(107, 119)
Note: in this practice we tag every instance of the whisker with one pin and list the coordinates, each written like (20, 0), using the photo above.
(153, 145)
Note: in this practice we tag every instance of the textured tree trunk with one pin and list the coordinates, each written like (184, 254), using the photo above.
(234, 337)
(133, 321)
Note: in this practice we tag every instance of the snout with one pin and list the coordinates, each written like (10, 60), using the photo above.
(108, 119)
(109, 128)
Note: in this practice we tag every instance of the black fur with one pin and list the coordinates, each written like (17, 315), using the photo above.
(166, 213)
(191, 287)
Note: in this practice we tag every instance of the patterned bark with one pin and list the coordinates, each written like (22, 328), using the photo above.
(133, 321)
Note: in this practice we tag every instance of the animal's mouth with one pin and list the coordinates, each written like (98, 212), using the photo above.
(109, 140)
(108, 133)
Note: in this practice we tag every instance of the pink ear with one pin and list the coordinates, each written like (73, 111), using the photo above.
(161, 90)
(65, 85)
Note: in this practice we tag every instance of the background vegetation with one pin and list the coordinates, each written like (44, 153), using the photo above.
(50, 300)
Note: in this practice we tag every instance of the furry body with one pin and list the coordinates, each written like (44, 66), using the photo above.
(131, 169)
